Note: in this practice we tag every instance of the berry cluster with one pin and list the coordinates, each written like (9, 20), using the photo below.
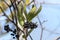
(14, 35)
(30, 25)
(7, 29)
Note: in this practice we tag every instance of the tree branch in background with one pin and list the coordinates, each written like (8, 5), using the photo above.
(30, 37)
(58, 38)
(41, 28)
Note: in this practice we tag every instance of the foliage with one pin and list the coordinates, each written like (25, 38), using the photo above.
(19, 14)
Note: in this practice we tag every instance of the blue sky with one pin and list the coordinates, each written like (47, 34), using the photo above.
(50, 13)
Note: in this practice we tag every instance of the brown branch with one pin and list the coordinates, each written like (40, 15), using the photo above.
(16, 11)
(10, 19)
(14, 8)
(12, 3)
(5, 14)
(10, 9)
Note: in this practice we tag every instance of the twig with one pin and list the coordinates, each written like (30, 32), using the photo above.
(5, 14)
(17, 17)
(10, 19)
(58, 38)
(51, 31)
(13, 5)
(15, 11)
(10, 9)
(41, 28)
(30, 37)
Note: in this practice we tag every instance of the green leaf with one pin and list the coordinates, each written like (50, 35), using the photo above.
(21, 20)
(33, 12)
(20, 15)
(40, 8)
(25, 12)
(24, 36)
(27, 2)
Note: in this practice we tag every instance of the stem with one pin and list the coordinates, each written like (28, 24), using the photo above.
(14, 8)
(30, 37)
(41, 34)
(58, 38)
(41, 28)
(11, 20)
(15, 11)
(10, 9)
(25, 31)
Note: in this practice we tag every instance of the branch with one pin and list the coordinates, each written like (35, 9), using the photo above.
(51, 31)
(30, 37)
(41, 27)
(5, 14)
(14, 8)
(58, 38)
(11, 20)
(10, 9)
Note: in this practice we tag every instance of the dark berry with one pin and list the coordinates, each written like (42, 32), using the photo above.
(27, 25)
(33, 25)
(6, 27)
(14, 31)
(10, 30)
(17, 36)
(12, 34)
(32, 6)
(13, 37)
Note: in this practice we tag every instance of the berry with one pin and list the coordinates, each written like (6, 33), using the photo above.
(12, 34)
(17, 36)
(14, 31)
(13, 37)
(29, 25)
(6, 27)
(26, 24)
(34, 25)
